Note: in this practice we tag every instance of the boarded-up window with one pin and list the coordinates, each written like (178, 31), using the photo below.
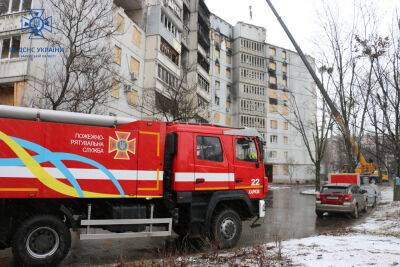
(274, 124)
(286, 125)
(285, 96)
(285, 110)
(115, 88)
(284, 56)
(285, 169)
(228, 120)
(217, 117)
(117, 55)
(272, 52)
(135, 66)
(272, 65)
(286, 140)
(136, 36)
(273, 108)
(120, 23)
(133, 98)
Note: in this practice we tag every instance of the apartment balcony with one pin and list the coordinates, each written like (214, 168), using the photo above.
(11, 69)
(204, 38)
(130, 5)
(203, 62)
(11, 23)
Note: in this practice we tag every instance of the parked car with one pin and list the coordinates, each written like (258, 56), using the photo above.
(372, 195)
(341, 198)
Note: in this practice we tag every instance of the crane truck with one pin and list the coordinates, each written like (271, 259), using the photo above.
(364, 168)
(112, 177)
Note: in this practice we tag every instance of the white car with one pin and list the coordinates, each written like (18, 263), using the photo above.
(373, 193)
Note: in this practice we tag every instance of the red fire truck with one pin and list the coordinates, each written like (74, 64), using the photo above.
(111, 177)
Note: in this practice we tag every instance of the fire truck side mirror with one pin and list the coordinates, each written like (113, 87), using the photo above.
(171, 143)
(261, 144)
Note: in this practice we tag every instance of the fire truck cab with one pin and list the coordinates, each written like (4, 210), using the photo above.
(62, 171)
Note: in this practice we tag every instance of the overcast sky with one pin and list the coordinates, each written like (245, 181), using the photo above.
(299, 16)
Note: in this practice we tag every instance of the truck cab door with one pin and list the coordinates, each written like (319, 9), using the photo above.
(211, 164)
(249, 173)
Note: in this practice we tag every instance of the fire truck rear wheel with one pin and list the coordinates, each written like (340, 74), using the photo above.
(226, 228)
(41, 241)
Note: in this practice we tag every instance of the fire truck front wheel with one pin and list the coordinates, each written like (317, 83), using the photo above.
(226, 228)
(42, 240)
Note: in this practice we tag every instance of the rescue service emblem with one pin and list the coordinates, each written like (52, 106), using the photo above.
(122, 146)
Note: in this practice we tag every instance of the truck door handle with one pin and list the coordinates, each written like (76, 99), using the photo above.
(200, 180)
(238, 180)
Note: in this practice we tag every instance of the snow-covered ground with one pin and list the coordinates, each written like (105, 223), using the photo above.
(375, 241)
(308, 192)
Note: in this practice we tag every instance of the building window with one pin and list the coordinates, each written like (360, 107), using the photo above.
(286, 155)
(272, 65)
(286, 140)
(284, 55)
(228, 73)
(217, 85)
(273, 139)
(136, 36)
(246, 150)
(117, 55)
(201, 102)
(115, 88)
(120, 20)
(166, 76)
(217, 117)
(286, 125)
(10, 47)
(170, 26)
(228, 58)
(284, 68)
(169, 51)
(216, 100)
(272, 52)
(285, 169)
(9, 6)
(217, 52)
(203, 83)
(209, 148)
(274, 124)
(273, 101)
(273, 154)
(135, 67)
(133, 97)
(217, 68)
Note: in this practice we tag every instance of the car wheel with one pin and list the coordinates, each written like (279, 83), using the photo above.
(226, 229)
(355, 212)
(41, 241)
(366, 207)
(319, 213)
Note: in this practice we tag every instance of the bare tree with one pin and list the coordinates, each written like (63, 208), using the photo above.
(80, 79)
(341, 57)
(384, 56)
(313, 130)
(178, 102)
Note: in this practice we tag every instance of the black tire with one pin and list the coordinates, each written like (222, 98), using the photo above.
(355, 213)
(319, 213)
(365, 210)
(226, 229)
(42, 240)
(375, 202)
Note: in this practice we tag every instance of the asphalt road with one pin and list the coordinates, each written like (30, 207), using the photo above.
(289, 215)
